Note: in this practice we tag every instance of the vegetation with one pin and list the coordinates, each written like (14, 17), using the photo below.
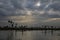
(24, 28)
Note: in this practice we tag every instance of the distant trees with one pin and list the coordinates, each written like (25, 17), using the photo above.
(51, 27)
(24, 27)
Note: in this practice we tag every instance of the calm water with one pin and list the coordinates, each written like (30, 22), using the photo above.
(30, 35)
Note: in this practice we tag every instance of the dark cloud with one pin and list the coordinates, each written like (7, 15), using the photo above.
(20, 7)
(51, 14)
(54, 16)
(17, 4)
(55, 6)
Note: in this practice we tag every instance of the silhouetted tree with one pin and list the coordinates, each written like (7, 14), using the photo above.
(51, 27)
(45, 26)
(11, 22)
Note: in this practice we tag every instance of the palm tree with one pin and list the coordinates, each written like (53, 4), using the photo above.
(11, 22)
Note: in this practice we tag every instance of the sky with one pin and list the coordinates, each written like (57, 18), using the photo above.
(30, 12)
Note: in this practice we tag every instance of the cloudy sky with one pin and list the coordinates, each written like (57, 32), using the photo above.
(30, 12)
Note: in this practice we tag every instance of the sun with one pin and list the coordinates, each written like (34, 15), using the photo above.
(38, 4)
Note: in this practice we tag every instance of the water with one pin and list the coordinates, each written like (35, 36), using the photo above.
(30, 35)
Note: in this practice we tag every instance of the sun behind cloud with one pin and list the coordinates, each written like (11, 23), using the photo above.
(38, 4)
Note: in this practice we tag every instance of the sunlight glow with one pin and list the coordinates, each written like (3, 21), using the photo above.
(29, 13)
(38, 4)
(23, 19)
(27, 19)
(51, 19)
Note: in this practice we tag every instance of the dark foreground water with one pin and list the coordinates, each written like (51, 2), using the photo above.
(30, 35)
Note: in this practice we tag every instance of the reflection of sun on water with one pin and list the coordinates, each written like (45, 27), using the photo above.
(27, 35)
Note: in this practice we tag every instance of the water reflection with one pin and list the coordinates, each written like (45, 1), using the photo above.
(30, 35)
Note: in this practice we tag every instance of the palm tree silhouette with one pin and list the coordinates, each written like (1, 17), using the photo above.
(11, 22)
